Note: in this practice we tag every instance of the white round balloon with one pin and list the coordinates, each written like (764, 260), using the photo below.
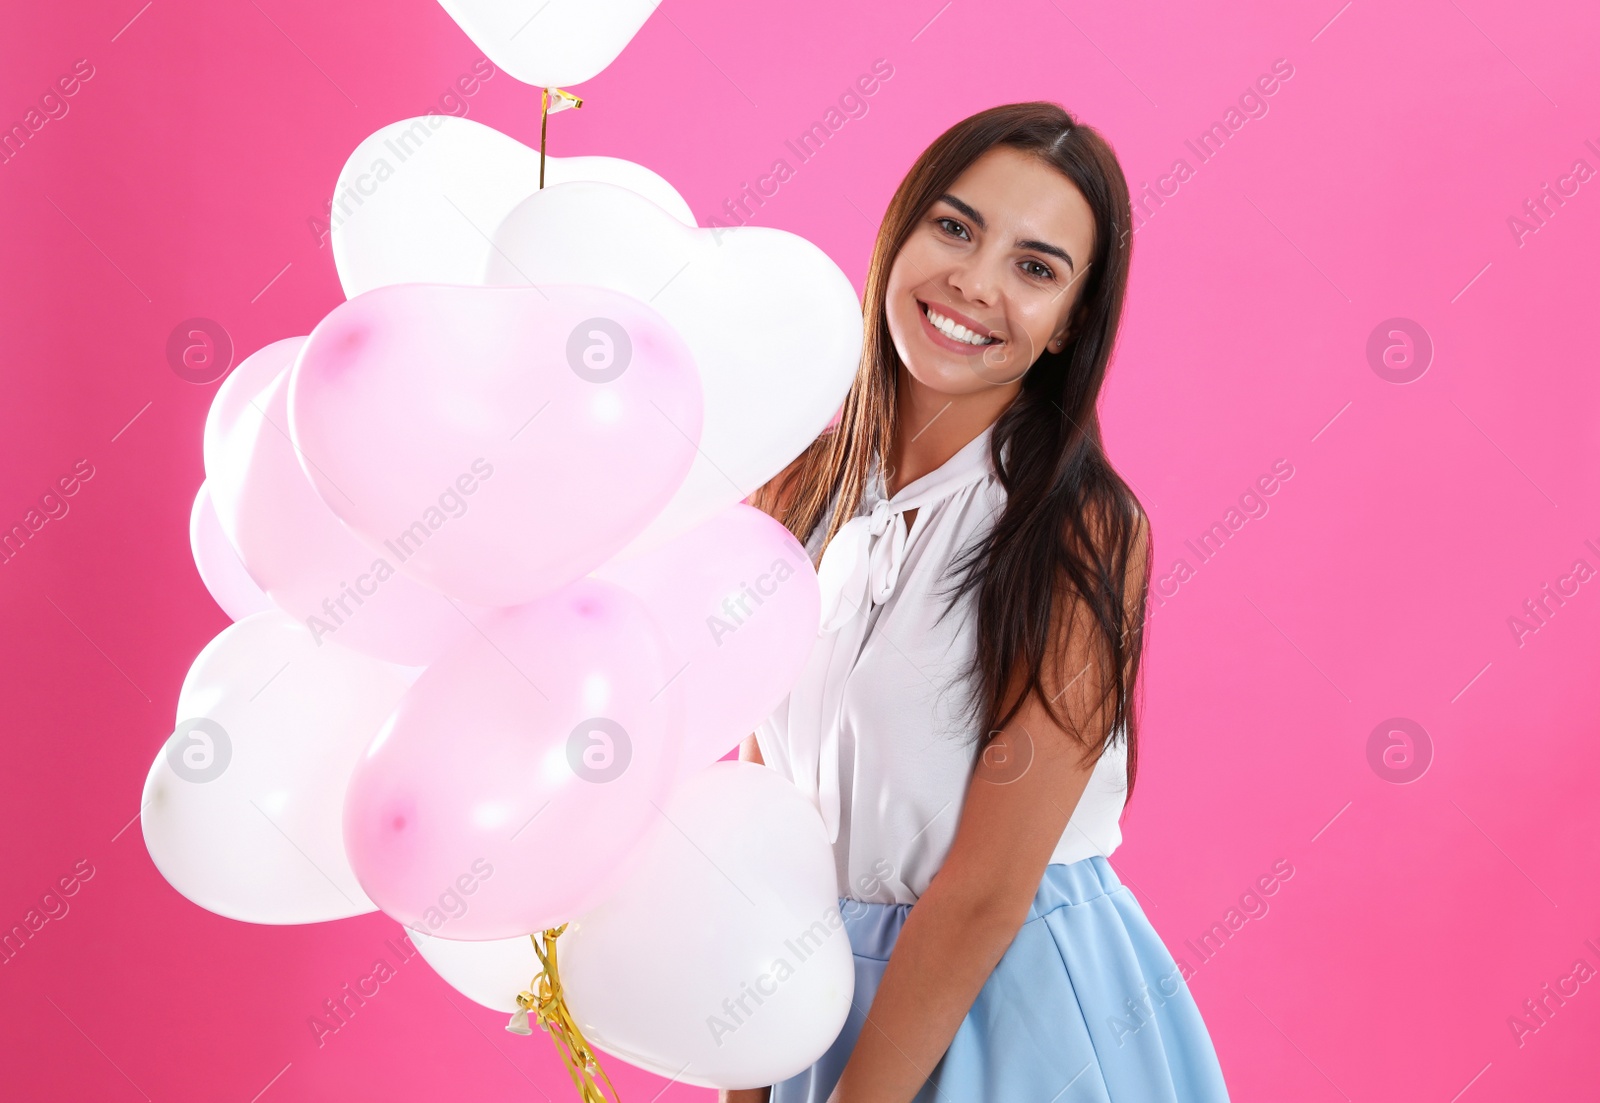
(243, 806)
(774, 326)
(551, 43)
(723, 960)
(419, 200)
(224, 575)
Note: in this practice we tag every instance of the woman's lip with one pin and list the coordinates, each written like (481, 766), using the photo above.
(950, 342)
(960, 319)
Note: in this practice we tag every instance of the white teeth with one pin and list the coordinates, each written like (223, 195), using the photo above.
(955, 330)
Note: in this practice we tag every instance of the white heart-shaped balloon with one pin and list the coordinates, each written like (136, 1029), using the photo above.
(551, 43)
(243, 806)
(774, 326)
(419, 200)
(722, 961)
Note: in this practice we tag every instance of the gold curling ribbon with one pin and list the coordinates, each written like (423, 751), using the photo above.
(564, 101)
(544, 998)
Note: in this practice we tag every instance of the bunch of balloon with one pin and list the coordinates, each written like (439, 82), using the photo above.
(499, 607)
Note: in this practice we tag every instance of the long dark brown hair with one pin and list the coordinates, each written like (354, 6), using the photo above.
(1070, 524)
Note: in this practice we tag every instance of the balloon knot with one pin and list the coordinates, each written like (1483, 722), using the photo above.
(543, 997)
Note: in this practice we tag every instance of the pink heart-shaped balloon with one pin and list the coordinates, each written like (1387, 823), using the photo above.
(737, 599)
(308, 561)
(507, 790)
(497, 442)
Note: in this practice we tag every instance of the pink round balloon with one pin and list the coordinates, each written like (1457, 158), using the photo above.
(738, 600)
(225, 577)
(309, 563)
(506, 792)
(500, 441)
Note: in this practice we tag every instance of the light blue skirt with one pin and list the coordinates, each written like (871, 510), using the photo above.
(1086, 1006)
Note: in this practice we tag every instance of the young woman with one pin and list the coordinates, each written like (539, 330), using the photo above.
(965, 722)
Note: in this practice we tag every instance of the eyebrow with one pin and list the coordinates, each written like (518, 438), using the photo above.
(1037, 246)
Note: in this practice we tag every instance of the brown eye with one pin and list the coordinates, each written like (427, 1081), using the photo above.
(946, 225)
(1043, 272)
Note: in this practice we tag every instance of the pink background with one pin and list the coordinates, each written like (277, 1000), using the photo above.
(1418, 519)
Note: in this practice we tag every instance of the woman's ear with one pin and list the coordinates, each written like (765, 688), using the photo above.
(1058, 342)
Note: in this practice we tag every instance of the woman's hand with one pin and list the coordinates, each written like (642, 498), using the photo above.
(959, 929)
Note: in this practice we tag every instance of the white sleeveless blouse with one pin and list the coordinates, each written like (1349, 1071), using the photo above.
(873, 731)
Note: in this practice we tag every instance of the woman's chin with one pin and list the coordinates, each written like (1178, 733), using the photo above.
(945, 376)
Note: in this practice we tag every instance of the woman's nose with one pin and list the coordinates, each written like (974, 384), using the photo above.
(977, 281)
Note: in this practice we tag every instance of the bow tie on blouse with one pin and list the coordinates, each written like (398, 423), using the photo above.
(859, 571)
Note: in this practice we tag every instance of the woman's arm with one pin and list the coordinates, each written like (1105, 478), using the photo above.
(960, 928)
(1022, 793)
(748, 752)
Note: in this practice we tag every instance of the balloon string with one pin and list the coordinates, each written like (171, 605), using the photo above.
(545, 999)
(566, 100)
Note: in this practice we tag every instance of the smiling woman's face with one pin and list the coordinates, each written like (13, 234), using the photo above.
(986, 280)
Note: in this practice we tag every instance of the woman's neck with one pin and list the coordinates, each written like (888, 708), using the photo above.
(931, 426)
